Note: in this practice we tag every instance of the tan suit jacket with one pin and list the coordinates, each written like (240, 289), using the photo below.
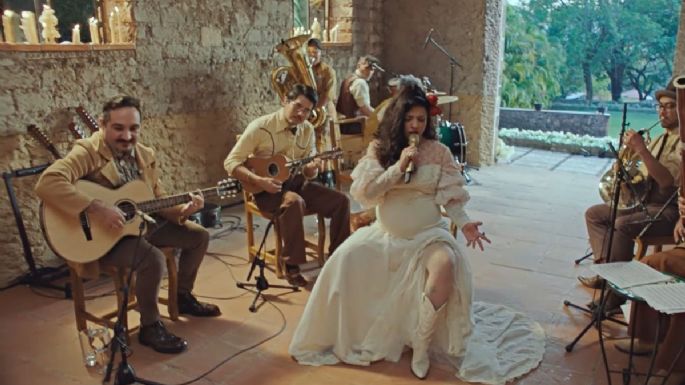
(91, 159)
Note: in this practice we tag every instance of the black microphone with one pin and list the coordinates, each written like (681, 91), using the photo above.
(428, 38)
(413, 141)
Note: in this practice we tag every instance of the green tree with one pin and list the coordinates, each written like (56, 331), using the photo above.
(532, 65)
(631, 42)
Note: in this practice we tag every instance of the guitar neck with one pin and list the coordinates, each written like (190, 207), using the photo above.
(324, 155)
(159, 204)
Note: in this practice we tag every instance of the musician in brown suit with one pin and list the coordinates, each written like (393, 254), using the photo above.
(112, 157)
(326, 85)
(672, 337)
(287, 132)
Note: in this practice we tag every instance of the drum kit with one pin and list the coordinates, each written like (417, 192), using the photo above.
(452, 135)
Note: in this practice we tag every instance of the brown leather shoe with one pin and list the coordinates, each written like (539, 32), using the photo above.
(296, 279)
(158, 338)
(188, 304)
(639, 348)
(593, 282)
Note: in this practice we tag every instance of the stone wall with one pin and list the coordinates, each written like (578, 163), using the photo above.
(471, 30)
(679, 56)
(202, 69)
(581, 123)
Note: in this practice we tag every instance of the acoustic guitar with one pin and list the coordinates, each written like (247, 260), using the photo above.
(279, 167)
(78, 239)
(88, 120)
(39, 135)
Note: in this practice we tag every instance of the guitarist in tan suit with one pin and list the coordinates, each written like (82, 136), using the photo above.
(288, 132)
(112, 157)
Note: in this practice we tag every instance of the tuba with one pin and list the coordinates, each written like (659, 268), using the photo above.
(636, 187)
(300, 71)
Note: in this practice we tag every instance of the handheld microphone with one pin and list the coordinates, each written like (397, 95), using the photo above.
(377, 67)
(428, 38)
(413, 141)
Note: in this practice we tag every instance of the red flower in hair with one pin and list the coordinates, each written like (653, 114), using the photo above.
(433, 100)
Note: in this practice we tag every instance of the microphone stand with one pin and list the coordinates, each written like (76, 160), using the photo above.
(125, 374)
(624, 125)
(261, 283)
(453, 63)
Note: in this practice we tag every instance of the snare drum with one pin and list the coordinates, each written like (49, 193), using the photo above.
(453, 136)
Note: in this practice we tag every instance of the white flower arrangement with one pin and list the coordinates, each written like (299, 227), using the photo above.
(558, 141)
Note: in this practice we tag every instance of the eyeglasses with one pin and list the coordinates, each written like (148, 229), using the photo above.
(667, 106)
(300, 108)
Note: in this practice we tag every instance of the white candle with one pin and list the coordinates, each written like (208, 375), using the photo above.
(334, 33)
(28, 24)
(76, 35)
(117, 24)
(94, 32)
(110, 21)
(10, 24)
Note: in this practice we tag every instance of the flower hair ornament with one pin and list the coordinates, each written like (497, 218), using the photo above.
(433, 100)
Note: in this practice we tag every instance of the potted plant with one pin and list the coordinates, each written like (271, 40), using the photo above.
(537, 106)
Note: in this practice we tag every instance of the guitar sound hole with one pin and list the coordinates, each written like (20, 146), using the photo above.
(128, 208)
(273, 169)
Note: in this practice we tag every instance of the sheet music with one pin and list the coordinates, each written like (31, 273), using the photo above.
(666, 298)
(629, 274)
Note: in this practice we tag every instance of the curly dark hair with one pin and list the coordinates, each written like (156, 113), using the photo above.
(391, 139)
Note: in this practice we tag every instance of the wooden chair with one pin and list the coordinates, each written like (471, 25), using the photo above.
(656, 241)
(119, 275)
(340, 176)
(274, 256)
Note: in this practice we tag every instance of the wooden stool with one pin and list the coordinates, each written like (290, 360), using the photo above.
(274, 256)
(657, 241)
(119, 276)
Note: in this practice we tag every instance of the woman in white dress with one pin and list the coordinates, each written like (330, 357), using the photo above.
(403, 280)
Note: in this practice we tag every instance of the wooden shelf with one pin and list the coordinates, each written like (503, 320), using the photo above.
(64, 47)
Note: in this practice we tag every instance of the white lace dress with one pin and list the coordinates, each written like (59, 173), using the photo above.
(364, 305)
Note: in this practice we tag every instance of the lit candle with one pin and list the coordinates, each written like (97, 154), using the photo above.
(76, 35)
(10, 24)
(28, 24)
(94, 32)
(49, 22)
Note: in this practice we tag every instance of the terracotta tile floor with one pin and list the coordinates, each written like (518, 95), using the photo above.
(532, 210)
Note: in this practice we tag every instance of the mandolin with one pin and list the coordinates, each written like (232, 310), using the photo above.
(280, 167)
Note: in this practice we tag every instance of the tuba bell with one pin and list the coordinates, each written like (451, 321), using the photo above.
(636, 185)
(300, 71)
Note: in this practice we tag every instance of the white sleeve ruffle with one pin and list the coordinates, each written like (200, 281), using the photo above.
(450, 192)
(370, 181)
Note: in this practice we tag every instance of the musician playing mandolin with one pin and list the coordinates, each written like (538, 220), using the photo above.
(287, 132)
(661, 165)
(112, 157)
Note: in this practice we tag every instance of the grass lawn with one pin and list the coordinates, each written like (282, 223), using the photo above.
(637, 119)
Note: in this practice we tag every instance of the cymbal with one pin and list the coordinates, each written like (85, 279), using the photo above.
(447, 99)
